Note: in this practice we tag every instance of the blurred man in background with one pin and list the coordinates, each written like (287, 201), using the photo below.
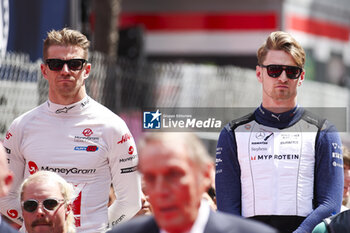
(177, 171)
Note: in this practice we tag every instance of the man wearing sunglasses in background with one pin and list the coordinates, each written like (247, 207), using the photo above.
(46, 203)
(76, 137)
(281, 164)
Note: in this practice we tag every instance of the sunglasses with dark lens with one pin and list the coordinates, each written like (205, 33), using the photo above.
(49, 204)
(73, 64)
(292, 72)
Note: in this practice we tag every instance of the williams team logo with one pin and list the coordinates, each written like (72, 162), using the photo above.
(151, 120)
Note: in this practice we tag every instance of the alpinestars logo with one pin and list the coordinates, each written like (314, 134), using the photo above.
(64, 110)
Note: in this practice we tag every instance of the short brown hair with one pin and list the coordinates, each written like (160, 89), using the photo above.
(66, 37)
(282, 41)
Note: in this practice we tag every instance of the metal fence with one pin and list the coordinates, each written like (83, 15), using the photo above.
(126, 87)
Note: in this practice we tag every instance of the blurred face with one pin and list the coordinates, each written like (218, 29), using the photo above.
(43, 220)
(6, 176)
(346, 181)
(281, 89)
(174, 185)
(66, 86)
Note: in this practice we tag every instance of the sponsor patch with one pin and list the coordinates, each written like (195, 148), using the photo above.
(128, 169)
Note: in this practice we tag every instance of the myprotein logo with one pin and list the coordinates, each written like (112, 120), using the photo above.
(32, 167)
(67, 171)
(275, 157)
(125, 138)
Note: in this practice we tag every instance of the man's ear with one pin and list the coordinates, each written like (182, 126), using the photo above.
(43, 68)
(301, 78)
(87, 70)
(258, 72)
(68, 209)
(207, 175)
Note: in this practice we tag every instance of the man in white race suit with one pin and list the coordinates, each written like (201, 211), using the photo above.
(76, 137)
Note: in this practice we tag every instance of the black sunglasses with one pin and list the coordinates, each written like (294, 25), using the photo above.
(73, 64)
(50, 204)
(274, 71)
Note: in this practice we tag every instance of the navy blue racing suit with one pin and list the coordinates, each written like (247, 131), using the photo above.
(282, 169)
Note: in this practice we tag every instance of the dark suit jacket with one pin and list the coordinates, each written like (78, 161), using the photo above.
(6, 228)
(218, 222)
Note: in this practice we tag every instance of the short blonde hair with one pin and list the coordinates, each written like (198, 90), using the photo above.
(282, 41)
(66, 188)
(66, 37)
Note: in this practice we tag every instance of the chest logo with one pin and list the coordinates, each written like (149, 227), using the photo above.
(87, 132)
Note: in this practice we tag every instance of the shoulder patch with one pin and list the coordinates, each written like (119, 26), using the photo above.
(313, 119)
(242, 120)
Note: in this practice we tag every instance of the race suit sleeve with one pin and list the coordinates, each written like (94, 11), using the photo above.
(125, 178)
(10, 205)
(329, 178)
(227, 178)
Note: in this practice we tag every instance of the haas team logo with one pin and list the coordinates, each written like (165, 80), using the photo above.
(87, 132)
(32, 167)
(12, 213)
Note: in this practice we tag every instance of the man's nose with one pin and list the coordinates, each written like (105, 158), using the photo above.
(160, 185)
(65, 68)
(40, 210)
(283, 77)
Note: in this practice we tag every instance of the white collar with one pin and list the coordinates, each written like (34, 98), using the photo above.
(68, 109)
